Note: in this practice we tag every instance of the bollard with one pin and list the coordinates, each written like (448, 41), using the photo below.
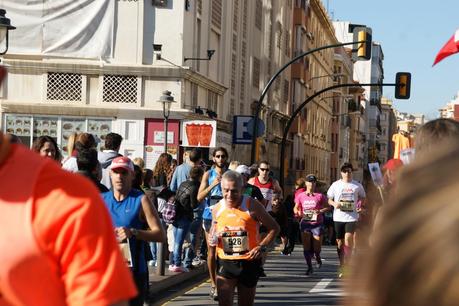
(161, 259)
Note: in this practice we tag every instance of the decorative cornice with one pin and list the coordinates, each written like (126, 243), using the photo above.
(38, 66)
(203, 81)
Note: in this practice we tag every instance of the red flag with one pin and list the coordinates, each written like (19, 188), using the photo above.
(451, 47)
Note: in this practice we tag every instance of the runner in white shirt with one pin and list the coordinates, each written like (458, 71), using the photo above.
(343, 195)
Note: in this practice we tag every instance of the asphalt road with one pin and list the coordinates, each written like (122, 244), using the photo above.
(286, 283)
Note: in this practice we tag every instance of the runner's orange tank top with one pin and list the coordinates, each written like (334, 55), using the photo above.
(25, 274)
(237, 230)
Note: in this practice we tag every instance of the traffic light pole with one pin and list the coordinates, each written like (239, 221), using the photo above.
(268, 85)
(298, 110)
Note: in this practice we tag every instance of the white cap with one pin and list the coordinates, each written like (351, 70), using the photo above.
(243, 169)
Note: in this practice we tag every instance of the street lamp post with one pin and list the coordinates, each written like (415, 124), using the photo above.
(5, 26)
(301, 106)
(166, 100)
(271, 81)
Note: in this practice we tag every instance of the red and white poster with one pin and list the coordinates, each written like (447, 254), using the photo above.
(199, 133)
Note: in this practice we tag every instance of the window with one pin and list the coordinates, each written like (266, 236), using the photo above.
(212, 101)
(235, 15)
(216, 17)
(287, 43)
(119, 89)
(258, 13)
(285, 93)
(256, 72)
(199, 6)
(194, 95)
(64, 87)
(279, 35)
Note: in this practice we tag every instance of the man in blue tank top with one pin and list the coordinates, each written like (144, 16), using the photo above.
(211, 191)
(135, 220)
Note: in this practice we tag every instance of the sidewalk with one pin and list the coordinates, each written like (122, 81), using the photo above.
(171, 279)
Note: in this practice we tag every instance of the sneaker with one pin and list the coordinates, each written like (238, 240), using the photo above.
(262, 272)
(152, 263)
(213, 294)
(343, 272)
(319, 262)
(179, 269)
(197, 262)
(171, 268)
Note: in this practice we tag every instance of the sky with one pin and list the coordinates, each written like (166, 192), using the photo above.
(411, 32)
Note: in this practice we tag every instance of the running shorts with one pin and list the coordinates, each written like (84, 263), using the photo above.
(246, 272)
(342, 228)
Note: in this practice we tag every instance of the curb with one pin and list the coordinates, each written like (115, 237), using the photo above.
(170, 279)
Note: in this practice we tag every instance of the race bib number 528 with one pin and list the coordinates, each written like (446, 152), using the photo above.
(235, 242)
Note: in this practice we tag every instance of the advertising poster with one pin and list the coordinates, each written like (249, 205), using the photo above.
(376, 174)
(152, 154)
(199, 133)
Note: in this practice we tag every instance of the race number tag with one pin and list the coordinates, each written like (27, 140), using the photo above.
(347, 206)
(309, 215)
(235, 242)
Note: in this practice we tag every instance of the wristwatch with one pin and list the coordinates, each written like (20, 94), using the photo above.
(134, 232)
(263, 248)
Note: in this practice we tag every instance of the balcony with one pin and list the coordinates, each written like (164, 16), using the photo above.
(298, 71)
(299, 17)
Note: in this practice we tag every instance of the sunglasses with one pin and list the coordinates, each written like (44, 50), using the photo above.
(264, 169)
(220, 156)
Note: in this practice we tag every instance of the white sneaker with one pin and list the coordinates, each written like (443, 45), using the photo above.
(171, 268)
(152, 263)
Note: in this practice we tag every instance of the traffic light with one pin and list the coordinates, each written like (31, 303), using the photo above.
(363, 50)
(402, 85)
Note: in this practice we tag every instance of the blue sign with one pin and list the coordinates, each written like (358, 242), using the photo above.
(242, 129)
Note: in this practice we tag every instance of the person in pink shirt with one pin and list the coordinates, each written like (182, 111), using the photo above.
(309, 208)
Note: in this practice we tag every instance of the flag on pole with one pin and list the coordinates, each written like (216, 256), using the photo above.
(451, 47)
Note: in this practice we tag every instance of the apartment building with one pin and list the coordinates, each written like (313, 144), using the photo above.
(365, 72)
(74, 85)
(214, 56)
(388, 128)
(357, 143)
(311, 137)
(451, 109)
(341, 121)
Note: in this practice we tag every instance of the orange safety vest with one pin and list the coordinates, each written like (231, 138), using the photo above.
(238, 231)
(26, 276)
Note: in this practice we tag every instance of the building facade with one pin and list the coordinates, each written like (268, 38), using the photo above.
(365, 72)
(213, 55)
(388, 128)
(310, 134)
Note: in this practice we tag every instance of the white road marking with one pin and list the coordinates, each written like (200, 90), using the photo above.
(321, 288)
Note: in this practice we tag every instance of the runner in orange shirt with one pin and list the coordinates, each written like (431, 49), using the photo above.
(57, 240)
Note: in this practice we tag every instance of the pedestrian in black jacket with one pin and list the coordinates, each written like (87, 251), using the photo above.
(185, 201)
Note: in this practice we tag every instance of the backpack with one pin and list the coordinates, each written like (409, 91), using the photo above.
(169, 212)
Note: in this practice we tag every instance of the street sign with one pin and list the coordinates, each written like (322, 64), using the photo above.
(261, 126)
(242, 129)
